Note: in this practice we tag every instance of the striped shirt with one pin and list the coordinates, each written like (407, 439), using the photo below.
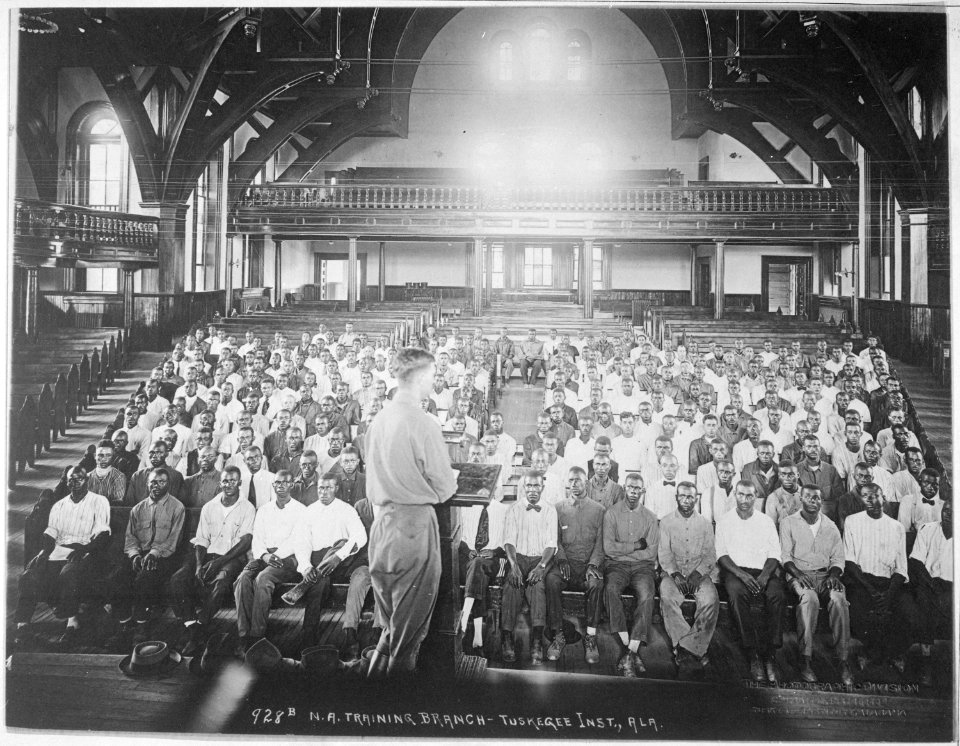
(661, 499)
(77, 522)
(934, 550)
(275, 527)
(154, 527)
(530, 532)
(877, 545)
(914, 512)
(113, 485)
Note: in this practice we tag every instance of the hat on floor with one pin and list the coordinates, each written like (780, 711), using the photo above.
(150, 658)
(216, 654)
(320, 660)
(265, 657)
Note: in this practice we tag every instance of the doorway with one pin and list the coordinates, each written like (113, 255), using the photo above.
(786, 284)
(703, 282)
(330, 276)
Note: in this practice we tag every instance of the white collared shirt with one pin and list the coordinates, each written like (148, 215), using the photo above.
(77, 523)
(322, 526)
(276, 527)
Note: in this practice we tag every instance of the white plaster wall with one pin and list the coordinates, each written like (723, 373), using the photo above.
(455, 108)
(644, 266)
(745, 167)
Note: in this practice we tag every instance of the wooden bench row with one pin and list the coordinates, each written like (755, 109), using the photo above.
(48, 395)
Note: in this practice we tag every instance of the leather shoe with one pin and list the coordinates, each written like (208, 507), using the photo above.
(590, 652)
(508, 652)
(770, 666)
(536, 652)
(556, 647)
(625, 666)
(846, 675)
(756, 668)
(806, 672)
(68, 639)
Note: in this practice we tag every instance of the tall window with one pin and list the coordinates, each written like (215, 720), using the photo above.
(496, 258)
(597, 267)
(538, 266)
(540, 57)
(578, 55)
(915, 111)
(505, 61)
(199, 230)
(101, 161)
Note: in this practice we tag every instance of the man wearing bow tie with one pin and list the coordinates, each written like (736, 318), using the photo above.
(931, 575)
(915, 510)
(661, 495)
(631, 537)
(530, 541)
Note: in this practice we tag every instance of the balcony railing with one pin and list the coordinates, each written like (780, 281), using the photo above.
(85, 227)
(719, 199)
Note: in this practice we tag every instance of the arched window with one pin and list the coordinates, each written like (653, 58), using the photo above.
(578, 55)
(505, 61)
(541, 58)
(101, 161)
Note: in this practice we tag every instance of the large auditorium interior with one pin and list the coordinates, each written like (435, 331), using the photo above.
(430, 370)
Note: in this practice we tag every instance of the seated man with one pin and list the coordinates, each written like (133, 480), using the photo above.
(749, 552)
(351, 481)
(153, 535)
(106, 479)
(926, 508)
(631, 537)
(360, 585)
(482, 559)
(931, 575)
(71, 561)
(330, 536)
(813, 561)
(530, 541)
(882, 613)
(785, 500)
(220, 548)
(579, 564)
(688, 557)
(272, 545)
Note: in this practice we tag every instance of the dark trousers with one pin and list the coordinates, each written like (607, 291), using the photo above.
(888, 633)
(741, 601)
(63, 584)
(476, 574)
(188, 591)
(935, 609)
(513, 597)
(534, 367)
(593, 589)
(253, 593)
(316, 596)
(142, 589)
(620, 576)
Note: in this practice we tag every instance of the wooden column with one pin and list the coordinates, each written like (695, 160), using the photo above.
(718, 269)
(586, 274)
(855, 287)
(277, 271)
(228, 276)
(127, 290)
(382, 273)
(488, 279)
(693, 275)
(31, 301)
(441, 648)
(173, 241)
(352, 275)
(477, 276)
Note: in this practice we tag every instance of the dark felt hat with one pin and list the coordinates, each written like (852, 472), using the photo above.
(150, 658)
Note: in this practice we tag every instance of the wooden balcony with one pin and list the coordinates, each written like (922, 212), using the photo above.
(51, 234)
(751, 213)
